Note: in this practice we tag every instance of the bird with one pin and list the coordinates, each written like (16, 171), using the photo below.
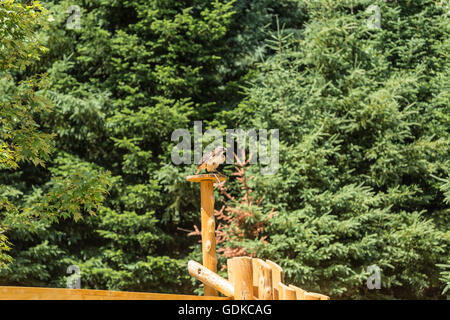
(211, 160)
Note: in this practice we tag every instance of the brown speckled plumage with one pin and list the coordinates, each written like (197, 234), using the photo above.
(211, 160)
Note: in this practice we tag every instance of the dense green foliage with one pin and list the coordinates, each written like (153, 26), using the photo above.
(363, 114)
(69, 194)
(363, 118)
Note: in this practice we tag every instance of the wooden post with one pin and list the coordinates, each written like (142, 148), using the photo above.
(208, 224)
(240, 272)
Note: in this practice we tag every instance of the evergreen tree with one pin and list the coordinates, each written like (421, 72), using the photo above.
(363, 120)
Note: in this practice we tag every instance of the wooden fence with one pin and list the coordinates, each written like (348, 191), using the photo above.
(252, 279)
(248, 279)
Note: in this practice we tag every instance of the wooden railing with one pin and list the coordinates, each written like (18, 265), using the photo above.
(248, 279)
(33, 293)
(251, 279)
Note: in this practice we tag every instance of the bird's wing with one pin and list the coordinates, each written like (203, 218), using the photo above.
(206, 157)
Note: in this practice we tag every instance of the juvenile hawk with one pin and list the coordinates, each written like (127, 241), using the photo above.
(211, 160)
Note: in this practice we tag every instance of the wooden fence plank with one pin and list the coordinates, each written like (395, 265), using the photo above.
(242, 276)
(300, 293)
(277, 278)
(315, 296)
(36, 293)
(262, 279)
(230, 271)
(286, 293)
(255, 265)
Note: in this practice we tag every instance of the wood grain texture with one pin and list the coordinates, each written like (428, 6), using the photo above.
(315, 296)
(36, 293)
(286, 293)
(262, 280)
(210, 278)
(242, 277)
(300, 293)
(208, 225)
(277, 278)
(208, 229)
(206, 177)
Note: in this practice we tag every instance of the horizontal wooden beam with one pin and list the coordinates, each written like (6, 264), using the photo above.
(315, 296)
(36, 293)
(210, 278)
